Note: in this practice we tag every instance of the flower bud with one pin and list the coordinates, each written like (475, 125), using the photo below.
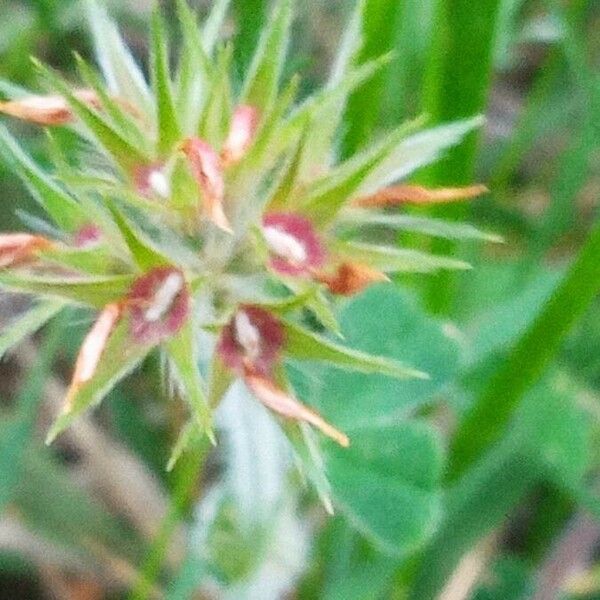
(252, 339)
(158, 304)
(241, 134)
(293, 243)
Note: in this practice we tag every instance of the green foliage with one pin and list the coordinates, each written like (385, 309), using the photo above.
(512, 381)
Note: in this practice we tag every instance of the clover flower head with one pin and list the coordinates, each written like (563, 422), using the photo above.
(201, 184)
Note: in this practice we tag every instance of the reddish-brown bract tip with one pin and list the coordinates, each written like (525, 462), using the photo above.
(158, 303)
(244, 124)
(206, 167)
(17, 248)
(351, 278)
(92, 348)
(415, 194)
(289, 407)
(47, 110)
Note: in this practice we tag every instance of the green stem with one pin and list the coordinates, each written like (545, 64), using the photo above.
(476, 506)
(486, 421)
(460, 69)
(183, 496)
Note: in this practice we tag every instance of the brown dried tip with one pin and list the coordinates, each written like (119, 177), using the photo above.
(206, 166)
(415, 194)
(351, 278)
(92, 348)
(16, 248)
(47, 110)
(287, 406)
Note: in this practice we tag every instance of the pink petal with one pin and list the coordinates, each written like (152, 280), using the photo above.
(241, 134)
(150, 180)
(287, 406)
(206, 166)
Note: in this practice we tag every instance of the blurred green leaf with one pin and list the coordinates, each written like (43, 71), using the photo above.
(63, 209)
(386, 484)
(28, 323)
(386, 322)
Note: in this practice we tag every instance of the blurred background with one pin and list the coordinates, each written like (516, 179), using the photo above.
(81, 519)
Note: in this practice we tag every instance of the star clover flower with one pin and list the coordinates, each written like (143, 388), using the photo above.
(216, 213)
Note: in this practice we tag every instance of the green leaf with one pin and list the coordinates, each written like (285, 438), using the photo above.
(169, 130)
(326, 196)
(94, 291)
(310, 459)
(434, 227)
(398, 260)
(194, 71)
(262, 82)
(120, 356)
(122, 121)
(216, 116)
(123, 76)
(213, 24)
(126, 155)
(349, 46)
(28, 323)
(145, 253)
(182, 351)
(530, 356)
(306, 345)
(555, 431)
(367, 105)
(90, 261)
(386, 484)
(415, 152)
(190, 435)
(61, 207)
